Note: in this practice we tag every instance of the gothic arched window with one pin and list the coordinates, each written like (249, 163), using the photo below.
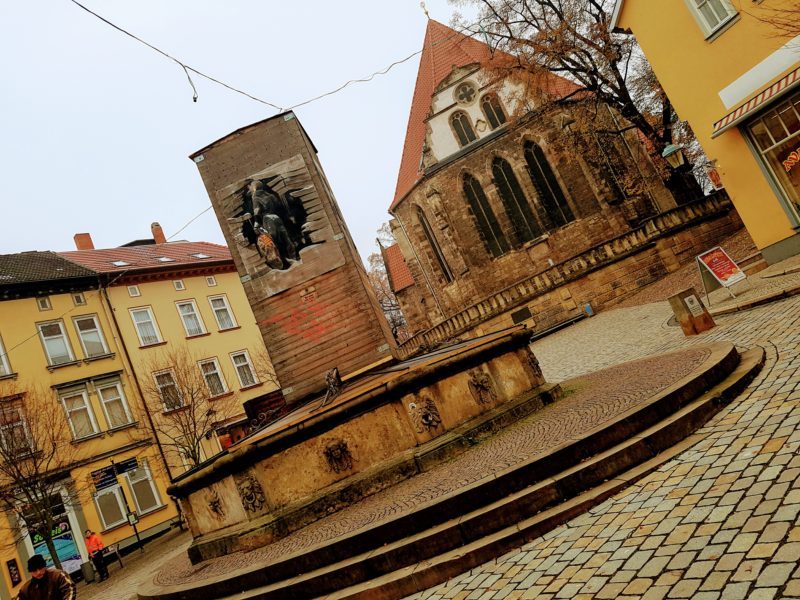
(518, 209)
(493, 110)
(434, 245)
(488, 227)
(544, 180)
(462, 128)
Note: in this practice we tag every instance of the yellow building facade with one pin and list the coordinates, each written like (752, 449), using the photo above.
(62, 361)
(735, 77)
(110, 343)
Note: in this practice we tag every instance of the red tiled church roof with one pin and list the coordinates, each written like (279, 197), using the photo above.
(443, 50)
(396, 268)
(146, 257)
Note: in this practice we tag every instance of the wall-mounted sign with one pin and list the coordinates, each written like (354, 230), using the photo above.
(13, 572)
(107, 476)
(790, 161)
(713, 177)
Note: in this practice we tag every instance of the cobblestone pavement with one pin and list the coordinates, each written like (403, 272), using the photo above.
(720, 521)
(597, 398)
(122, 583)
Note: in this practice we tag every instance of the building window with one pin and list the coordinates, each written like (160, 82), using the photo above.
(56, 344)
(79, 299)
(5, 365)
(114, 404)
(488, 227)
(91, 336)
(222, 312)
(190, 316)
(79, 414)
(211, 281)
(110, 506)
(168, 390)
(776, 135)
(244, 368)
(462, 128)
(517, 207)
(133, 291)
(44, 303)
(14, 436)
(143, 489)
(493, 110)
(712, 14)
(465, 93)
(434, 246)
(213, 377)
(551, 196)
(179, 285)
(145, 325)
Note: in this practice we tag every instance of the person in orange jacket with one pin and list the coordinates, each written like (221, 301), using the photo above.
(94, 544)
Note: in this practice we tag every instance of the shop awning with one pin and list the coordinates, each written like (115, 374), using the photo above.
(773, 92)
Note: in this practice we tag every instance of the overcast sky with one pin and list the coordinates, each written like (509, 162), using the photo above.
(96, 128)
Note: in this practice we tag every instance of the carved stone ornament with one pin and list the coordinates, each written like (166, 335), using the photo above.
(251, 493)
(424, 415)
(481, 387)
(338, 456)
(215, 504)
(533, 362)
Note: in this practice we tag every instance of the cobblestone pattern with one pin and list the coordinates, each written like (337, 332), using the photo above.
(598, 398)
(718, 522)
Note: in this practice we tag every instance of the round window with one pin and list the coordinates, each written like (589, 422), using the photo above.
(465, 93)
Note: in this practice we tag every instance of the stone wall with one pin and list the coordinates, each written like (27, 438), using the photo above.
(601, 276)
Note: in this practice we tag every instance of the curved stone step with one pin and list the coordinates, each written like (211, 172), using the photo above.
(485, 514)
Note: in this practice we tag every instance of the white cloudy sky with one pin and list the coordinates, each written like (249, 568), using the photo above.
(96, 128)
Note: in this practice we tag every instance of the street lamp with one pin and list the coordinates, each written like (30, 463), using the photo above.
(674, 156)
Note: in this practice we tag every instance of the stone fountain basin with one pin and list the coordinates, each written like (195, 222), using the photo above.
(384, 427)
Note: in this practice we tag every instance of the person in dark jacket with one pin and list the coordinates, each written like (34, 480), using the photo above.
(46, 584)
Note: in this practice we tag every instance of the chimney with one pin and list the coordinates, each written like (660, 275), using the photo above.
(158, 233)
(83, 241)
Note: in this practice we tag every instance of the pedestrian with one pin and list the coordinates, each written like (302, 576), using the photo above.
(46, 584)
(94, 544)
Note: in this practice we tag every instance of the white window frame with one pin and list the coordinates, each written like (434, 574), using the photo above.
(224, 299)
(125, 406)
(246, 355)
(708, 29)
(133, 291)
(197, 314)
(99, 333)
(218, 371)
(143, 466)
(70, 352)
(62, 398)
(118, 494)
(211, 281)
(43, 302)
(5, 364)
(179, 285)
(79, 299)
(149, 310)
(161, 394)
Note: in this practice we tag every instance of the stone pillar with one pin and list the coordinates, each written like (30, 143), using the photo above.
(690, 312)
(298, 265)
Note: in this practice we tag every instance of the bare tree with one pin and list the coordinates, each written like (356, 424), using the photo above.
(189, 401)
(572, 39)
(36, 454)
(379, 280)
(784, 22)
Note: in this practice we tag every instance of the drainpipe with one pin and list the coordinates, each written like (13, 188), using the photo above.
(134, 376)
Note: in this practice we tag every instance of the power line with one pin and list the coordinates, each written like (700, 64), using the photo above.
(109, 284)
(188, 68)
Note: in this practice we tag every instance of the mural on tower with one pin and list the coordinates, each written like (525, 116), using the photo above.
(283, 235)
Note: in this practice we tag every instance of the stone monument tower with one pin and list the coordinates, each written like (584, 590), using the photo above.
(296, 259)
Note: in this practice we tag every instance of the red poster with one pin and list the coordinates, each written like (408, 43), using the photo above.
(721, 266)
